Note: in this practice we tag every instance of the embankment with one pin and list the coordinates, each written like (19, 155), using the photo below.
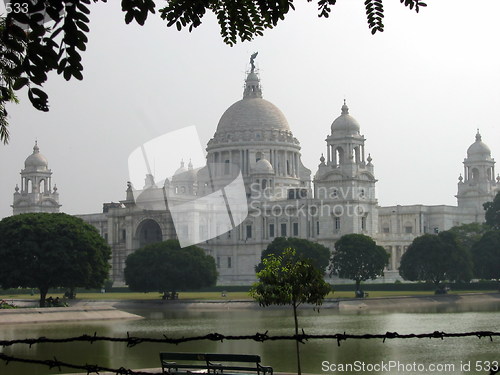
(63, 314)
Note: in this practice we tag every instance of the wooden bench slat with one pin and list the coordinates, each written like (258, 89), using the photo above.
(233, 357)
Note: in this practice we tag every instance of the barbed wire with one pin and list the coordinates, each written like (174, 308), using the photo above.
(259, 337)
(90, 369)
(132, 341)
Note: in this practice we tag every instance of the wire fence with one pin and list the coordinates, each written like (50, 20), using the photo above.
(132, 341)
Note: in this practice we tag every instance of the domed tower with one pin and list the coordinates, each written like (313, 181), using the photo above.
(250, 131)
(345, 180)
(478, 184)
(36, 193)
(184, 180)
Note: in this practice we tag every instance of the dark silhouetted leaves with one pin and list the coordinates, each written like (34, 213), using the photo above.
(39, 99)
(20, 83)
(53, 32)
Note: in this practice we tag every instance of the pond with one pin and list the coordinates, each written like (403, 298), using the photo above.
(409, 356)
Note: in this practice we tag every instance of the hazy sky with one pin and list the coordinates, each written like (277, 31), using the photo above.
(419, 91)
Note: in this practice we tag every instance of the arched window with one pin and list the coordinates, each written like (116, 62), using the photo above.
(475, 173)
(339, 155)
(357, 154)
(30, 186)
(41, 186)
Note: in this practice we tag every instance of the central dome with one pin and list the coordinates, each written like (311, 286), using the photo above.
(252, 114)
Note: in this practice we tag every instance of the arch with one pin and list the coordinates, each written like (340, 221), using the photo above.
(41, 186)
(148, 231)
(357, 155)
(489, 173)
(29, 186)
(339, 155)
(475, 173)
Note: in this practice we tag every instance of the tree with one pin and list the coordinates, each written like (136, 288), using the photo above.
(468, 234)
(58, 34)
(287, 280)
(165, 266)
(486, 256)
(492, 214)
(359, 258)
(435, 259)
(46, 250)
(318, 254)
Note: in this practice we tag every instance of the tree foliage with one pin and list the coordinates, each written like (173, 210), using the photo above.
(486, 256)
(468, 234)
(318, 254)
(51, 34)
(42, 250)
(359, 258)
(435, 259)
(288, 280)
(166, 267)
(492, 214)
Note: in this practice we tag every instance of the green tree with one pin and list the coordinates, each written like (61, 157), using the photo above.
(287, 280)
(318, 254)
(50, 35)
(468, 234)
(486, 256)
(165, 267)
(492, 214)
(435, 259)
(43, 250)
(359, 258)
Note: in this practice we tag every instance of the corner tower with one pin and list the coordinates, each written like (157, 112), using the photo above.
(345, 181)
(36, 193)
(478, 184)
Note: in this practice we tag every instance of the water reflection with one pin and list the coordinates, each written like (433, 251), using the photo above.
(177, 323)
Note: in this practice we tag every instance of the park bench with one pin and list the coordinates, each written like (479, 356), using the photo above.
(185, 363)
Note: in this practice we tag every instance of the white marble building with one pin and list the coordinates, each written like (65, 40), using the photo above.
(254, 135)
(36, 193)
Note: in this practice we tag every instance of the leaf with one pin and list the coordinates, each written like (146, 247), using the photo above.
(20, 83)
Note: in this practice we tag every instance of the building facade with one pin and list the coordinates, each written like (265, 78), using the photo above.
(253, 139)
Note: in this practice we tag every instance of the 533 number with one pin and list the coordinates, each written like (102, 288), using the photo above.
(16, 7)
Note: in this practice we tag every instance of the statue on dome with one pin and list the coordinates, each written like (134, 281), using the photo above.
(252, 59)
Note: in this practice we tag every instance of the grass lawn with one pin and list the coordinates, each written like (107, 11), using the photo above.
(229, 295)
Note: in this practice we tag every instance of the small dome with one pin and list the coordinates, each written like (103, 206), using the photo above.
(252, 77)
(345, 122)
(479, 150)
(181, 169)
(36, 160)
(183, 174)
(263, 166)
